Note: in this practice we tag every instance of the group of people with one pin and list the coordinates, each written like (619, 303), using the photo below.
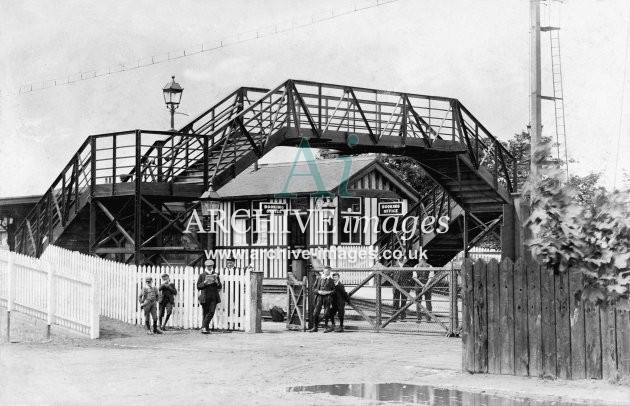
(407, 280)
(152, 298)
(208, 284)
(331, 297)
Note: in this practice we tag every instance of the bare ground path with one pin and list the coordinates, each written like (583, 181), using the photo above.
(126, 366)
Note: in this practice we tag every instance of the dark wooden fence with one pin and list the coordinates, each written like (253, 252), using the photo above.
(521, 319)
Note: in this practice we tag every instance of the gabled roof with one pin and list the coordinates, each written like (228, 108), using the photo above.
(270, 179)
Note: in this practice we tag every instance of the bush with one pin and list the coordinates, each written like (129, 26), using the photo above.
(570, 236)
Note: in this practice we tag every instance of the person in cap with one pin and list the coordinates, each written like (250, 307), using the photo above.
(338, 304)
(148, 303)
(209, 286)
(230, 262)
(323, 289)
(168, 291)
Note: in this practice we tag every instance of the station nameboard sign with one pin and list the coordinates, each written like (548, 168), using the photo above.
(390, 209)
(275, 208)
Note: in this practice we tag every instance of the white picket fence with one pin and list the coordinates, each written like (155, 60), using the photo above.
(121, 284)
(43, 290)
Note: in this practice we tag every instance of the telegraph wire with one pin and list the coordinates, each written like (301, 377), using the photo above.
(207, 46)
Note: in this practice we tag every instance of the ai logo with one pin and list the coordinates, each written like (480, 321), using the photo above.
(313, 171)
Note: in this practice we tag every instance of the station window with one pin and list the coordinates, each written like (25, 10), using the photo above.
(350, 230)
(300, 203)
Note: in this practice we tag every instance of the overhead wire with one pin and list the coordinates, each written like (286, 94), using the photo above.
(241, 37)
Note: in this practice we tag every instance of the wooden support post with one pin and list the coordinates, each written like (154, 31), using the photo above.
(453, 311)
(10, 298)
(480, 317)
(468, 325)
(52, 294)
(137, 221)
(114, 165)
(465, 233)
(92, 236)
(49, 215)
(206, 175)
(495, 320)
(379, 305)
(254, 324)
(509, 228)
(94, 304)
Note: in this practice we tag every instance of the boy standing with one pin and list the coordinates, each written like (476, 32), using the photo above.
(209, 286)
(167, 299)
(148, 300)
(339, 299)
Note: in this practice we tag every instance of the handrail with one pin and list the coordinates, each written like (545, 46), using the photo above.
(448, 118)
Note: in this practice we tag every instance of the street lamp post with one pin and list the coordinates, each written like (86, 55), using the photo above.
(172, 96)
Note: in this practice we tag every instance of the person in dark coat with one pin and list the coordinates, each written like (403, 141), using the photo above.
(209, 286)
(423, 277)
(339, 300)
(404, 279)
(168, 291)
(323, 288)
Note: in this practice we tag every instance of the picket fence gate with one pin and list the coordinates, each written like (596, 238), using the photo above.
(121, 284)
(43, 290)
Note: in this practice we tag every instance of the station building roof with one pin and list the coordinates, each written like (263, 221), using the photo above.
(269, 180)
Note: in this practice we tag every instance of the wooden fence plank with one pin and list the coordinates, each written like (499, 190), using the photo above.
(495, 342)
(576, 308)
(480, 317)
(609, 342)
(468, 330)
(623, 343)
(563, 326)
(534, 322)
(548, 322)
(521, 344)
(507, 316)
(593, 341)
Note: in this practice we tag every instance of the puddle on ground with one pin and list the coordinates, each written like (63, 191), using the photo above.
(424, 395)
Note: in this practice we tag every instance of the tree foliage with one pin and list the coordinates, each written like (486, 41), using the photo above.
(578, 227)
(410, 171)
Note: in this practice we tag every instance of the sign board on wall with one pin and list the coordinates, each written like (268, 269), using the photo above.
(390, 209)
(275, 208)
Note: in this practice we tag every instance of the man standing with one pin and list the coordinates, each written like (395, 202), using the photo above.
(323, 288)
(168, 291)
(209, 286)
(405, 281)
(339, 299)
(423, 277)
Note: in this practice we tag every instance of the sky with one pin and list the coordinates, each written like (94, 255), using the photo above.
(474, 50)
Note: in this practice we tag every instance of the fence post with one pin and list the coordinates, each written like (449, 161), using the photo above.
(254, 318)
(52, 294)
(94, 308)
(379, 306)
(9, 295)
(453, 316)
(188, 296)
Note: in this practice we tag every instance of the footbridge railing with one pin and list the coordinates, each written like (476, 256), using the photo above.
(382, 119)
